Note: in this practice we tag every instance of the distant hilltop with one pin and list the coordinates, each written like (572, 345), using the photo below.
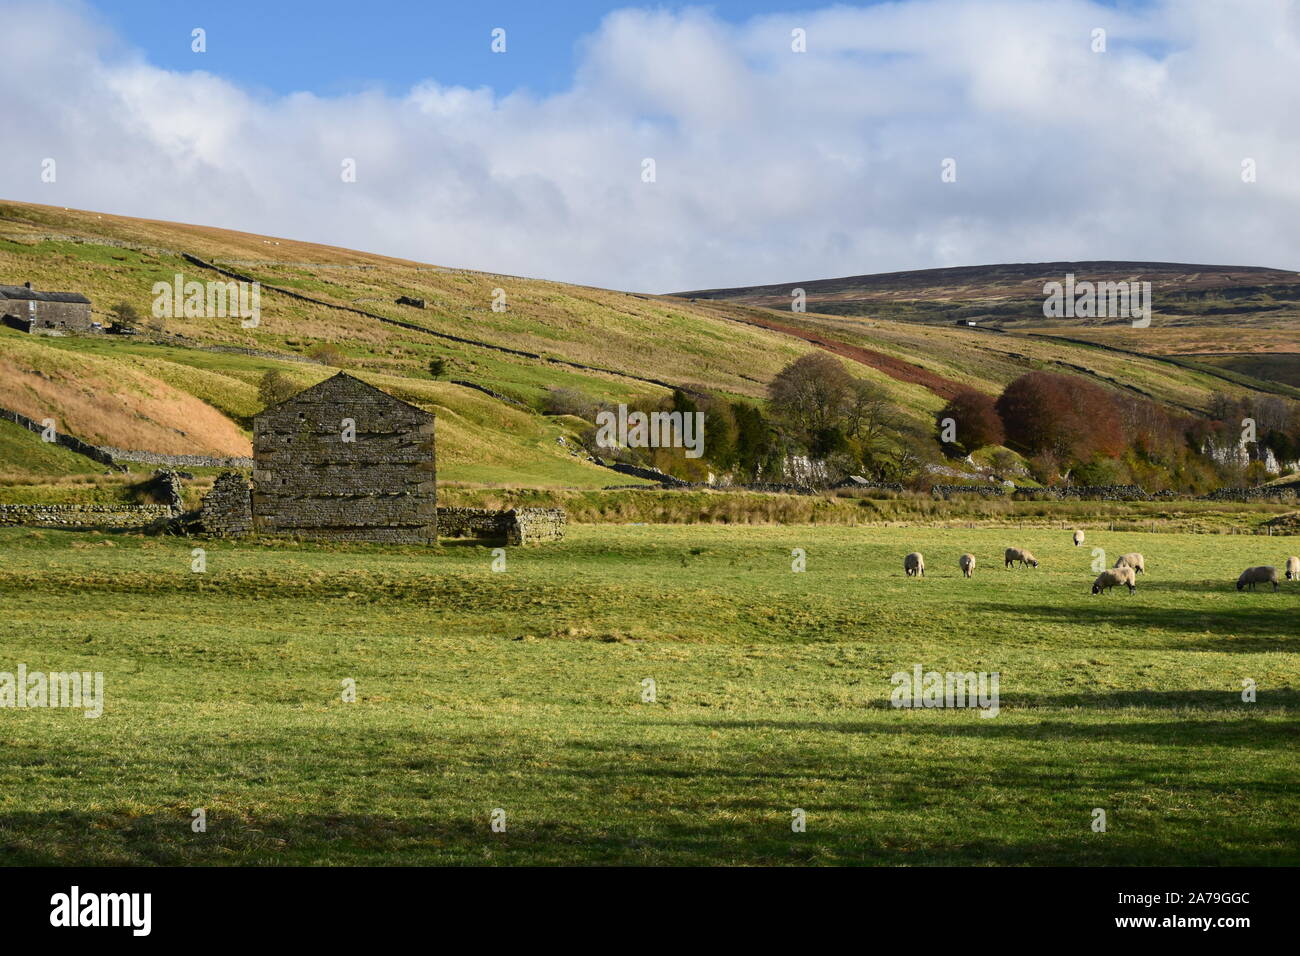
(1186, 293)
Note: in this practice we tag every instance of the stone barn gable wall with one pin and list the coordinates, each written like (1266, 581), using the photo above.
(308, 481)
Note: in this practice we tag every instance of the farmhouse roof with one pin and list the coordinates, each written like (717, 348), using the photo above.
(345, 381)
(26, 292)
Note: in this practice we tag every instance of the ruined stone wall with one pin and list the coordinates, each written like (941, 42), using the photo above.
(481, 523)
(310, 480)
(166, 489)
(228, 507)
(515, 527)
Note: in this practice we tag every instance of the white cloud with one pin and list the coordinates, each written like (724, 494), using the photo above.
(772, 165)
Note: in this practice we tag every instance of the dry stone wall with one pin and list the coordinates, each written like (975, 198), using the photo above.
(93, 452)
(424, 329)
(947, 491)
(535, 525)
(1264, 492)
(81, 517)
(177, 461)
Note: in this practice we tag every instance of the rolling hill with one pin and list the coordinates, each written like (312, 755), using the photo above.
(190, 385)
(1244, 319)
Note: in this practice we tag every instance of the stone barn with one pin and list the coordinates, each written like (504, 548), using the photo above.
(346, 461)
(46, 313)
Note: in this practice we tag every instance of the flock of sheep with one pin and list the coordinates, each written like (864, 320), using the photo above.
(1124, 573)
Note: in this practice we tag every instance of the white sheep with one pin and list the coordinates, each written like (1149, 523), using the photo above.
(1264, 574)
(967, 564)
(914, 565)
(1114, 577)
(1132, 560)
(1078, 537)
(1293, 568)
(1025, 558)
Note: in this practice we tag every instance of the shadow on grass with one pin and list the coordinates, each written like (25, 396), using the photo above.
(1186, 732)
(1248, 627)
(1209, 700)
(657, 837)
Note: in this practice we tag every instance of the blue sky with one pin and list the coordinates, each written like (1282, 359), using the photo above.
(341, 46)
(1174, 140)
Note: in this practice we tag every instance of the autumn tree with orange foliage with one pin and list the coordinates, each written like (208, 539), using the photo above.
(975, 419)
(1063, 416)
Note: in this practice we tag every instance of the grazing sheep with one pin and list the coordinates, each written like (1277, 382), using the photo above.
(1078, 537)
(1264, 574)
(1114, 577)
(1132, 560)
(914, 565)
(1293, 568)
(1025, 558)
(967, 564)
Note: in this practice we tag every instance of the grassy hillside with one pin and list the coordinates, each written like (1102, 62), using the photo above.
(1278, 367)
(175, 392)
(191, 385)
(23, 451)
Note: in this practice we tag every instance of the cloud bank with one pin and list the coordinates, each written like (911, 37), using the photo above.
(770, 165)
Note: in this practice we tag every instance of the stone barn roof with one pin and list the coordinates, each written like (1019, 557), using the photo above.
(26, 293)
(344, 387)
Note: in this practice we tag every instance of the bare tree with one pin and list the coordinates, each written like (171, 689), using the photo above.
(813, 392)
(871, 415)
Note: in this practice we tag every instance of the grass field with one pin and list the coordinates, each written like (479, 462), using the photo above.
(522, 690)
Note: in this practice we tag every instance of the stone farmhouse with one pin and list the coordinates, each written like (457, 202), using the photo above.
(346, 461)
(45, 313)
